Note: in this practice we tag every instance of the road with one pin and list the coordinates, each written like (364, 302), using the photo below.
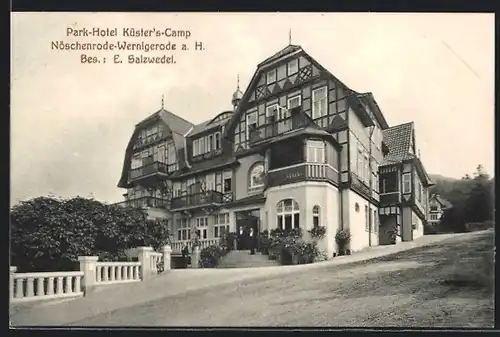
(423, 287)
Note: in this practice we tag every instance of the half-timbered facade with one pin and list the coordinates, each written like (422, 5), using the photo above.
(299, 149)
(437, 206)
(404, 187)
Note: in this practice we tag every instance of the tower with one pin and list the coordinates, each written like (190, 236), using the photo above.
(237, 96)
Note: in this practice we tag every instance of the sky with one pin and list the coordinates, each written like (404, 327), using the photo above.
(71, 121)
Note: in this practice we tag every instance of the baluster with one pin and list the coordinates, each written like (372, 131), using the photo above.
(126, 273)
(106, 273)
(30, 290)
(19, 288)
(119, 273)
(136, 272)
(112, 273)
(50, 286)
(78, 287)
(69, 284)
(39, 286)
(98, 274)
(59, 286)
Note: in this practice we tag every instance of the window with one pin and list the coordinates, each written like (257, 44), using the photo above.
(288, 214)
(294, 102)
(360, 165)
(271, 76)
(273, 110)
(407, 183)
(367, 219)
(195, 147)
(315, 151)
(319, 105)
(210, 143)
(227, 181)
(200, 146)
(434, 208)
(210, 182)
(257, 176)
(183, 231)
(217, 144)
(221, 224)
(389, 183)
(202, 227)
(136, 161)
(251, 123)
(366, 176)
(316, 216)
(293, 67)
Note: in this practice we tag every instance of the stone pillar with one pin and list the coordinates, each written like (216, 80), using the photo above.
(167, 259)
(145, 260)
(88, 266)
(12, 271)
(195, 257)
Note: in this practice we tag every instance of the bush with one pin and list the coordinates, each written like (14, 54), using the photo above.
(318, 232)
(227, 240)
(210, 256)
(48, 234)
(342, 238)
(264, 242)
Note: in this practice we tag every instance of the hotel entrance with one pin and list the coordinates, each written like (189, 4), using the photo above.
(247, 229)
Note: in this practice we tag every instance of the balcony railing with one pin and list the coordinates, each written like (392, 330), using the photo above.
(390, 198)
(148, 170)
(144, 202)
(302, 172)
(207, 198)
(275, 128)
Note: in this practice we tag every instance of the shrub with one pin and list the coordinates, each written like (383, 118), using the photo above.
(342, 238)
(48, 234)
(210, 256)
(264, 242)
(318, 232)
(227, 240)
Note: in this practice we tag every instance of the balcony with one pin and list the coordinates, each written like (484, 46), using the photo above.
(275, 127)
(302, 172)
(202, 199)
(150, 172)
(144, 202)
(390, 198)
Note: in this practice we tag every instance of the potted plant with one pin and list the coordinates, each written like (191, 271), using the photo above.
(343, 238)
(318, 232)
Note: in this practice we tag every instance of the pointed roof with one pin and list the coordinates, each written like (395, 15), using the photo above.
(398, 139)
(444, 203)
(178, 127)
(287, 50)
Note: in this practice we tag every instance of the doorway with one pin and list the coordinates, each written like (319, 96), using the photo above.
(247, 230)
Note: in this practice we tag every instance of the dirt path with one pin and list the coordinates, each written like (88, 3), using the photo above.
(429, 286)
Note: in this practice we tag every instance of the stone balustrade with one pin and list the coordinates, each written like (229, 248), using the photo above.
(46, 285)
(155, 259)
(178, 245)
(117, 272)
(55, 285)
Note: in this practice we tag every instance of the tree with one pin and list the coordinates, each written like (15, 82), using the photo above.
(48, 234)
(472, 199)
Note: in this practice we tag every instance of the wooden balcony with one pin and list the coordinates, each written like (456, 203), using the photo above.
(302, 172)
(150, 172)
(276, 127)
(202, 199)
(144, 202)
(150, 140)
(391, 198)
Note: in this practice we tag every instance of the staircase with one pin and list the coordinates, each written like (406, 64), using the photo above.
(243, 259)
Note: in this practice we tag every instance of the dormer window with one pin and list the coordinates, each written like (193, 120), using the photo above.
(293, 67)
(271, 76)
